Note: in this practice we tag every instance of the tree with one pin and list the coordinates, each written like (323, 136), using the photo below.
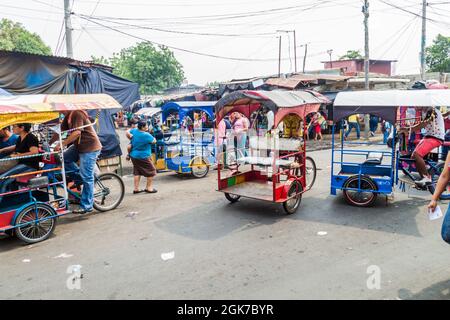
(437, 56)
(154, 69)
(14, 37)
(101, 60)
(351, 54)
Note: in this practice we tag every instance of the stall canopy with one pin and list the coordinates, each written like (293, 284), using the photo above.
(148, 112)
(385, 103)
(25, 74)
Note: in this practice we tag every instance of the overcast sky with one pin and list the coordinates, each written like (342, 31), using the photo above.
(250, 27)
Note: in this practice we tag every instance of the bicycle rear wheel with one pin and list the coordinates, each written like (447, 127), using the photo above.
(109, 191)
(435, 173)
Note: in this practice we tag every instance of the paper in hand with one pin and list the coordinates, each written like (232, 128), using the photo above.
(436, 214)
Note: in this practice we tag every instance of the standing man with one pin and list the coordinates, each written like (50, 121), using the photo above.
(373, 124)
(85, 147)
(353, 122)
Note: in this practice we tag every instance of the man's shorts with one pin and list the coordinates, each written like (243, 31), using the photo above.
(425, 146)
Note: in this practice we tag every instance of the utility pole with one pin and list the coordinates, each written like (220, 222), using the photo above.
(68, 23)
(329, 53)
(279, 57)
(295, 46)
(365, 10)
(295, 51)
(304, 57)
(424, 34)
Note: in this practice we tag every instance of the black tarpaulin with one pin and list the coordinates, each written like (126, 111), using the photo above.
(33, 75)
(22, 73)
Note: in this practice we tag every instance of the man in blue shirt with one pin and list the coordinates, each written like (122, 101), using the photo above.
(7, 139)
(140, 155)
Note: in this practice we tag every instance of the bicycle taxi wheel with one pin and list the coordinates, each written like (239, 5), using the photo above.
(290, 206)
(109, 191)
(310, 172)
(35, 222)
(199, 167)
(363, 196)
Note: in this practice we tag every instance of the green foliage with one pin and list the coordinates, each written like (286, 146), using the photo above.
(14, 37)
(437, 56)
(154, 69)
(100, 60)
(351, 54)
(213, 84)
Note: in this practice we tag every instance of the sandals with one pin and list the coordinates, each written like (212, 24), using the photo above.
(145, 190)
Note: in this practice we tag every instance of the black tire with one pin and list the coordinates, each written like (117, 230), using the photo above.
(200, 171)
(109, 191)
(232, 197)
(312, 169)
(40, 230)
(292, 205)
(360, 199)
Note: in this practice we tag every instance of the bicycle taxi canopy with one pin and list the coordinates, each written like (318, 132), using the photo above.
(183, 108)
(41, 108)
(281, 103)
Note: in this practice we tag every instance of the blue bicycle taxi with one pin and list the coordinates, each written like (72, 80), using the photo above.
(363, 169)
(190, 141)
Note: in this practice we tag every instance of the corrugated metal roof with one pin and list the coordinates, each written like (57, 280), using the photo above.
(52, 59)
(294, 81)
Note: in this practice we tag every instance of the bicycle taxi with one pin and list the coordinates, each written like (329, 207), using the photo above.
(364, 173)
(190, 142)
(35, 199)
(275, 167)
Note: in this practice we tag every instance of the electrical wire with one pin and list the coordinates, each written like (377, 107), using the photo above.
(84, 27)
(177, 48)
(182, 32)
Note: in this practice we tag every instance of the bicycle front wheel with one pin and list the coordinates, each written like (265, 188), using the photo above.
(109, 191)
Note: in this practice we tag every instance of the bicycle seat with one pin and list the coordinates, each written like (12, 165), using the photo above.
(374, 158)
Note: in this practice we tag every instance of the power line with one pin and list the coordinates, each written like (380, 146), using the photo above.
(413, 13)
(225, 16)
(182, 32)
(27, 9)
(84, 27)
(177, 48)
(59, 37)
